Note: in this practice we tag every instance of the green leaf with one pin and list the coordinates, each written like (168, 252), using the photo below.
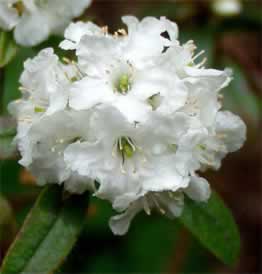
(48, 234)
(7, 222)
(8, 48)
(213, 224)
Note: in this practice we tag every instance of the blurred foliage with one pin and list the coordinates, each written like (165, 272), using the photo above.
(12, 74)
(157, 244)
(7, 133)
(8, 48)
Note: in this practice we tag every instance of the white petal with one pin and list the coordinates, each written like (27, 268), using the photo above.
(119, 224)
(144, 41)
(89, 92)
(59, 16)
(32, 29)
(215, 79)
(173, 204)
(84, 158)
(198, 189)
(231, 129)
(123, 202)
(165, 178)
(75, 31)
(131, 22)
(96, 54)
(132, 109)
(8, 16)
(79, 184)
(171, 28)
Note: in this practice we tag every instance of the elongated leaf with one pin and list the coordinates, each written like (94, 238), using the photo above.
(213, 224)
(48, 234)
(8, 48)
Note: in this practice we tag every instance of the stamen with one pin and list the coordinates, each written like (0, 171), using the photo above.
(201, 63)
(120, 144)
(25, 120)
(67, 60)
(61, 141)
(221, 135)
(78, 70)
(80, 74)
(105, 29)
(131, 144)
(197, 55)
(146, 206)
(24, 89)
(122, 168)
(161, 210)
(122, 32)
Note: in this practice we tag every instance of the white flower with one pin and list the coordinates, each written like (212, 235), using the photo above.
(133, 163)
(123, 156)
(136, 113)
(166, 202)
(8, 14)
(44, 146)
(205, 148)
(124, 72)
(35, 20)
(227, 7)
(45, 87)
(45, 84)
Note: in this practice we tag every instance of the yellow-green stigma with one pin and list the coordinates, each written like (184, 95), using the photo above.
(123, 84)
(20, 7)
(126, 147)
(73, 79)
(201, 146)
(39, 109)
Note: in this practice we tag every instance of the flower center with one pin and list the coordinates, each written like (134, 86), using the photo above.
(123, 84)
(20, 7)
(38, 109)
(126, 147)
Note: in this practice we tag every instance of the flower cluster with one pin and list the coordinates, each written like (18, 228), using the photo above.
(35, 20)
(133, 119)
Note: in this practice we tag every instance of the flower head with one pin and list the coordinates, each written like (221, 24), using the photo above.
(136, 113)
(34, 20)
